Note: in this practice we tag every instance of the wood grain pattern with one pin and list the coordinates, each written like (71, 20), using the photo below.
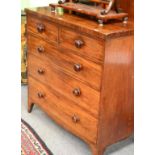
(62, 110)
(116, 108)
(128, 6)
(50, 31)
(98, 12)
(83, 25)
(64, 84)
(66, 60)
(82, 75)
(90, 48)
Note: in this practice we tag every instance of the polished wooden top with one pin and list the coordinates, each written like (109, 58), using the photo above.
(85, 25)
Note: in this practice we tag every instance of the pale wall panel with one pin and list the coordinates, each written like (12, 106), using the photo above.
(35, 3)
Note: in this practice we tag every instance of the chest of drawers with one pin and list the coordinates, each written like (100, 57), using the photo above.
(81, 75)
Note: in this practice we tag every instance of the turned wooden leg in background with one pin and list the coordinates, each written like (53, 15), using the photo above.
(30, 107)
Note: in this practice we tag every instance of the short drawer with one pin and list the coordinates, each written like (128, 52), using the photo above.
(86, 71)
(63, 111)
(82, 45)
(42, 28)
(81, 94)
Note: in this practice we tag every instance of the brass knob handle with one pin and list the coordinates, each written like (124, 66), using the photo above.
(75, 119)
(41, 95)
(40, 27)
(41, 71)
(77, 92)
(40, 49)
(77, 67)
(79, 43)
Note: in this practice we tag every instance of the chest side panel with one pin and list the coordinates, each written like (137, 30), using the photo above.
(117, 95)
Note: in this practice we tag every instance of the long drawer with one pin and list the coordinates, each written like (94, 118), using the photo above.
(42, 28)
(81, 94)
(87, 71)
(82, 45)
(63, 111)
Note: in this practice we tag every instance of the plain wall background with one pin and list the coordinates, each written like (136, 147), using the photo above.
(35, 3)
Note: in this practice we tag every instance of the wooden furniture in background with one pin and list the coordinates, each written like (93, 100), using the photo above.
(102, 10)
(127, 6)
(81, 75)
(23, 51)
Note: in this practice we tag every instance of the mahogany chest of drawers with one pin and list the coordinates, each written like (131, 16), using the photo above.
(81, 75)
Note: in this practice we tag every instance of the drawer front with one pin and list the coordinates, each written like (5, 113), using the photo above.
(42, 28)
(63, 111)
(82, 45)
(82, 95)
(87, 71)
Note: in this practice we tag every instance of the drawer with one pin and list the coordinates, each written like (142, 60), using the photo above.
(63, 111)
(42, 28)
(82, 45)
(86, 71)
(81, 94)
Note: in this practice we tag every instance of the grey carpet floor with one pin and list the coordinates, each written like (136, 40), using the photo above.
(61, 142)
